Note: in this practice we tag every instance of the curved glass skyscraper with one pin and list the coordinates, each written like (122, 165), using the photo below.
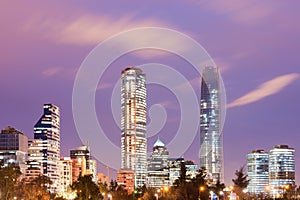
(133, 124)
(211, 149)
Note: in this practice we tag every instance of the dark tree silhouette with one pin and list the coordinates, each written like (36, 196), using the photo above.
(86, 189)
(240, 182)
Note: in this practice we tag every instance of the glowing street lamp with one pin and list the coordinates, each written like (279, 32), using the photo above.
(156, 196)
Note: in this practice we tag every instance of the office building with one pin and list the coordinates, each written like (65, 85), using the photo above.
(158, 171)
(45, 147)
(258, 171)
(281, 169)
(133, 124)
(13, 147)
(211, 150)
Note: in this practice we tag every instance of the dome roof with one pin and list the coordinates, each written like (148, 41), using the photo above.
(158, 143)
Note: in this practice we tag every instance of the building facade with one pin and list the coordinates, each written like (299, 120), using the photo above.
(45, 148)
(158, 170)
(125, 178)
(13, 147)
(211, 149)
(82, 151)
(281, 169)
(93, 170)
(258, 171)
(65, 169)
(133, 124)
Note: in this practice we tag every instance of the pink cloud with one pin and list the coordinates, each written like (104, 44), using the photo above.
(52, 71)
(104, 86)
(246, 12)
(264, 90)
(87, 29)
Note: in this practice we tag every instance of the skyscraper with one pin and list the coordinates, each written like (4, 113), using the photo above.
(281, 169)
(47, 140)
(158, 168)
(258, 171)
(133, 124)
(211, 150)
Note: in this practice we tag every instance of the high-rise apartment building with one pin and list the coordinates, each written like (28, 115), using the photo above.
(125, 178)
(45, 147)
(133, 124)
(211, 149)
(65, 169)
(258, 171)
(158, 168)
(281, 169)
(13, 147)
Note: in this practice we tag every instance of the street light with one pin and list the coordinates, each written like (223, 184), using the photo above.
(156, 196)
(201, 189)
(221, 194)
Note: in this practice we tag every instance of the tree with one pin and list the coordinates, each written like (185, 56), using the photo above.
(35, 189)
(218, 189)
(240, 182)
(187, 188)
(86, 189)
(8, 179)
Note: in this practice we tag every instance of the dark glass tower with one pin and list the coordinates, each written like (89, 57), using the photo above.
(211, 150)
(133, 124)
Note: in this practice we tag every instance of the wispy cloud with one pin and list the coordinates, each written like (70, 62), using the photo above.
(52, 71)
(185, 87)
(246, 12)
(85, 29)
(264, 90)
(168, 104)
(103, 86)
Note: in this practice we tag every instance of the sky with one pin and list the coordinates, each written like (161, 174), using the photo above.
(255, 45)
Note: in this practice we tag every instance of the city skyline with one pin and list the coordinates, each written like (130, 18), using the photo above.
(254, 44)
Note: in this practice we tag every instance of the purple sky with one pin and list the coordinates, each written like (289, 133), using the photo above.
(255, 44)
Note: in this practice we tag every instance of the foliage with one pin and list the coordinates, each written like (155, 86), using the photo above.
(217, 188)
(86, 189)
(240, 182)
(8, 179)
(187, 188)
(36, 189)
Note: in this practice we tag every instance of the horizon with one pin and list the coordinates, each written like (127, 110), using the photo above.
(254, 44)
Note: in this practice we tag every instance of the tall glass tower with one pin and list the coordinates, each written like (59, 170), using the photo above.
(133, 124)
(258, 171)
(211, 149)
(281, 169)
(47, 131)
